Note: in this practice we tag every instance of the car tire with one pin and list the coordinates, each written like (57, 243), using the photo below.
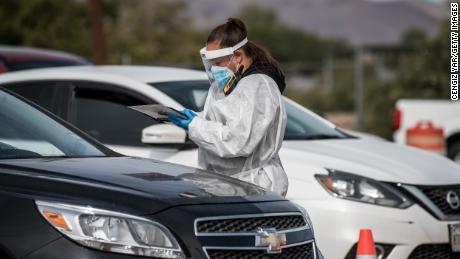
(454, 152)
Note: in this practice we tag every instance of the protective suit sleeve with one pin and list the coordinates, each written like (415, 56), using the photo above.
(247, 113)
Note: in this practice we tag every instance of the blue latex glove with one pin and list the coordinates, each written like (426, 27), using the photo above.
(183, 123)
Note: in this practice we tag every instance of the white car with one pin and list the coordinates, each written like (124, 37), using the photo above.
(408, 197)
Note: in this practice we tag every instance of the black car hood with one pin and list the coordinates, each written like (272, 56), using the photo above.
(165, 183)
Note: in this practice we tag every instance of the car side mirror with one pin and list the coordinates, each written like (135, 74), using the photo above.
(163, 134)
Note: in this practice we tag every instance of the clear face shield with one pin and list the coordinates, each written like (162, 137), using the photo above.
(215, 61)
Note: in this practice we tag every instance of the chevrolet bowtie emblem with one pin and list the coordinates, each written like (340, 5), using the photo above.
(269, 238)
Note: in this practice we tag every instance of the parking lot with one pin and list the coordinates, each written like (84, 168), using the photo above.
(365, 132)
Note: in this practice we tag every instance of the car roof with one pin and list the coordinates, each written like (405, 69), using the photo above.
(144, 74)
(18, 54)
(152, 74)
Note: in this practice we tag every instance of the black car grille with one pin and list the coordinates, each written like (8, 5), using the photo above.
(250, 224)
(295, 252)
(438, 197)
(433, 252)
(383, 251)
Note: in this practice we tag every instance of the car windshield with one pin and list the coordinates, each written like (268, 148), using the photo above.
(190, 94)
(301, 125)
(26, 132)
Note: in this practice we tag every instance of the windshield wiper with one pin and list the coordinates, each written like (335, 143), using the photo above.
(323, 136)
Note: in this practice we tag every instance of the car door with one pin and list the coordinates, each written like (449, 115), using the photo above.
(53, 95)
(101, 110)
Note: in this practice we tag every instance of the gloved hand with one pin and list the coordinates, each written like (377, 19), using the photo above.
(183, 123)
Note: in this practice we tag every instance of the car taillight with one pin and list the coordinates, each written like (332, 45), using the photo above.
(3, 69)
(397, 119)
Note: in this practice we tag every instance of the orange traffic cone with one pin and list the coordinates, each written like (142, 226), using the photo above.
(366, 247)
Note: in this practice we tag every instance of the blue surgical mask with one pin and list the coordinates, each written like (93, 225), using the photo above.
(221, 75)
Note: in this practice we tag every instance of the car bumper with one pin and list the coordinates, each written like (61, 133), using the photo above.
(64, 248)
(337, 223)
(181, 221)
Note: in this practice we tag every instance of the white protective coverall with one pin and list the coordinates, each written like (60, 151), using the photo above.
(240, 134)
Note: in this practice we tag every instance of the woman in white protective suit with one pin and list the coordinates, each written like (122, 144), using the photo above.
(241, 128)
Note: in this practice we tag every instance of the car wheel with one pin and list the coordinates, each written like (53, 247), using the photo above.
(454, 152)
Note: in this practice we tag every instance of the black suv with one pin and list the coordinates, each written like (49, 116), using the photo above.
(63, 195)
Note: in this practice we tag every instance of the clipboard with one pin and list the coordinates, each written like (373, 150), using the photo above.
(157, 111)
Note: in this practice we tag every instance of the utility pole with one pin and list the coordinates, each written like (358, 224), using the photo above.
(359, 88)
(97, 31)
(328, 71)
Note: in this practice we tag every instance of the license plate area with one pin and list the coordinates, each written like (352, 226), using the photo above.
(454, 235)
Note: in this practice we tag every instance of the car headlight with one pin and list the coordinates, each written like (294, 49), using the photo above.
(357, 188)
(111, 231)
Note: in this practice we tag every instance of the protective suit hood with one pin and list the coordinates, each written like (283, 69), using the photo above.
(263, 67)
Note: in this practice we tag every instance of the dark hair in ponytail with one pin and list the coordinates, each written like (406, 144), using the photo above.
(233, 32)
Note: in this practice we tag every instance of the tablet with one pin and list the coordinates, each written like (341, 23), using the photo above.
(157, 111)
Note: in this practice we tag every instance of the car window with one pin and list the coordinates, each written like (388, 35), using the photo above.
(300, 124)
(104, 115)
(303, 125)
(51, 95)
(190, 94)
(26, 132)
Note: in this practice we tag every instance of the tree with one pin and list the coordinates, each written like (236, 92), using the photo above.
(158, 32)
(287, 44)
(145, 31)
(45, 23)
(423, 73)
